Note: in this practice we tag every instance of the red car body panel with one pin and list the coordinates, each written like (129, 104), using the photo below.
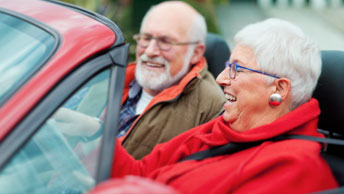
(81, 36)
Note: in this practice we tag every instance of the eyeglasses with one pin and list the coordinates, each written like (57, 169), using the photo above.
(234, 68)
(164, 43)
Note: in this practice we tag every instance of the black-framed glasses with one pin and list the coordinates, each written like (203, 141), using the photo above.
(164, 43)
(234, 68)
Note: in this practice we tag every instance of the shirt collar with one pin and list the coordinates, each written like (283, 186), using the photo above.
(134, 89)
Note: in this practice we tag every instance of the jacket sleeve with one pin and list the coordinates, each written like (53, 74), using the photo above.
(211, 99)
(162, 154)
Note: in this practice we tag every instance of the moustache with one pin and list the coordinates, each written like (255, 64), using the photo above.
(160, 60)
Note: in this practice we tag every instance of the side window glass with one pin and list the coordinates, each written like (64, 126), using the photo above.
(62, 156)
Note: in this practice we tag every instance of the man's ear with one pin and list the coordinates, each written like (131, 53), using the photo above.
(283, 87)
(198, 53)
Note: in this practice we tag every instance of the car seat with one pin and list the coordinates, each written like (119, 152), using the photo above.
(217, 52)
(330, 94)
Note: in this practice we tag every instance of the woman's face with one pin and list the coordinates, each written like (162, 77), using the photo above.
(247, 94)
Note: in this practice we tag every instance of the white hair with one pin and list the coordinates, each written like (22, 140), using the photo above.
(282, 49)
(197, 32)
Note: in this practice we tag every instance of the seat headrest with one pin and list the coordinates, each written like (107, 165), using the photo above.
(217, 52)
(330, 91)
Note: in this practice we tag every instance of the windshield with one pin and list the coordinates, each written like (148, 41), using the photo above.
(24, 47)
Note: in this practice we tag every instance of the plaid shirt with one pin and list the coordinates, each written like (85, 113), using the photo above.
(128, 109)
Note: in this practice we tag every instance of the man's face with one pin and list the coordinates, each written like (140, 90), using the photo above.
(163, 68)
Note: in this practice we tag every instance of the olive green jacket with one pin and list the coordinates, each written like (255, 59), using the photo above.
(195, 100)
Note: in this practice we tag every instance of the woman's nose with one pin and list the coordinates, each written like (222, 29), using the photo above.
(223, 78)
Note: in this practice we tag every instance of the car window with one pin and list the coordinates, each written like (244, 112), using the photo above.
(23, 48)
(61, 157)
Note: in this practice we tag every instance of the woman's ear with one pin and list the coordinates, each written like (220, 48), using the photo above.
(198, 53)
(282, 87)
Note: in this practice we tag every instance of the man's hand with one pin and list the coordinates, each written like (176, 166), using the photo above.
(74, 123)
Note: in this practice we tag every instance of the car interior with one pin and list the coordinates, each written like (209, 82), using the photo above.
(217, 52)
(329, 92)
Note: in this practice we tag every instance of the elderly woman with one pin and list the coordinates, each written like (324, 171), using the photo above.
(268, 83)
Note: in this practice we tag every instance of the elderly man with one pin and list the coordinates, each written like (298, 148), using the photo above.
(169, 89)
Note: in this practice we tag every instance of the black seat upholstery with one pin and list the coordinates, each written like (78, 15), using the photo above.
(217, 53)
(330, 91)
(330, 94)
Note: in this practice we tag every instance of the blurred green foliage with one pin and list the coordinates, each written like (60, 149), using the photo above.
(207, 9)
(127, 14)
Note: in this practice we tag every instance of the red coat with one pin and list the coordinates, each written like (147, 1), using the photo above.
(289, 166)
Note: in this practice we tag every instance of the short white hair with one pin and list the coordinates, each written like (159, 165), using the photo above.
(198, 30)
(282, 49)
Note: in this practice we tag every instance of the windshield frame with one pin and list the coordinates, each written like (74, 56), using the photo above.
(55, 35)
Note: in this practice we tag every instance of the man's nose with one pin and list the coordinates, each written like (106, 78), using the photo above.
(152, 49)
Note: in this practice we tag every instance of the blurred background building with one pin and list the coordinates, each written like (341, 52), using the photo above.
(322, 20)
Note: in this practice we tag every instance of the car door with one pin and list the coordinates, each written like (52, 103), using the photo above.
(42, 155)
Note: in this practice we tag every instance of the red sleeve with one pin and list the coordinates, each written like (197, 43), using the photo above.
(162, 154)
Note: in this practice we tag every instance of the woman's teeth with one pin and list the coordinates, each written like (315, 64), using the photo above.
(230, 97)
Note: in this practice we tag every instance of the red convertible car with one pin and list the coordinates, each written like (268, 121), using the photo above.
(57, 61)
(55, 56)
